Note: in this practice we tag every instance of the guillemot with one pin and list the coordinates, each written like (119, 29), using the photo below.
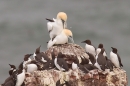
(60, 63)
(101, 60)
(89, 47)
(115, 58)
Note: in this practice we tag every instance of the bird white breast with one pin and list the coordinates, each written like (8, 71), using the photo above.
(96, 64)
(20, 78)
(43, 60)
(98, 50)
(31, 68)
(34, 55)
(74, 66)
(90, 49)
(114, 59)
(57, 65)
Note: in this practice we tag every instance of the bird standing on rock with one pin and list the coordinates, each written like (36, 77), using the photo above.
(101, 60)
(89, 47)
(115, 58)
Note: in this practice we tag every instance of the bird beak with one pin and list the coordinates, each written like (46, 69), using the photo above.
(30, 54)
(70, 39)
(63, 22)
(10, 65)
(50, 20)
(83, 42)
(112, 47)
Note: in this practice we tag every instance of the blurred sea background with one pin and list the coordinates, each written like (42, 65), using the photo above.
(23, 27)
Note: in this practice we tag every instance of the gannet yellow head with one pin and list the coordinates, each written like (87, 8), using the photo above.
(62, 16)
(69, 35)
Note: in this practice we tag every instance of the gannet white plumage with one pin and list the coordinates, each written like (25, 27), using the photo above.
(56, 26)
(69, 35)
(59, 39)
(64, 37)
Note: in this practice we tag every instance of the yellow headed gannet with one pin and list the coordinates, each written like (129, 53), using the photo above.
(69, 35)
(62, 38)
(56, 26)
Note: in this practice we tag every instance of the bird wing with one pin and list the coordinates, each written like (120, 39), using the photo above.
(63, 63)
(50, 26)
(119, 60)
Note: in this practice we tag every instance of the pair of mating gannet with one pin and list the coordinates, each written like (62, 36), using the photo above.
(58, 32)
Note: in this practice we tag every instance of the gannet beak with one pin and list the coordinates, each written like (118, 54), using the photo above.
(70, 39)
(63, 22)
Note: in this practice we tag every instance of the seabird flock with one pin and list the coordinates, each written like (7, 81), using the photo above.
(59, 34)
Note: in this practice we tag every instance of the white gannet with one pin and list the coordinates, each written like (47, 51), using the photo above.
(69, 35)
(59, 39)
(56, 26)
(64, 37)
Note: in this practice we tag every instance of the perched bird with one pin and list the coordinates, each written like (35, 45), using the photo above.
(109, 64)
(11, 80)
(56, 26)
(89, 47)
(20, 75)
(69, 35)
(115, 58)
(84, 60)
(50, 64)
(60, 63)
(59, 39)
(27, 59)
(100, 60)
(40, 56)
(91, 58)
(99, 49)
(12, 70)
(76, 65)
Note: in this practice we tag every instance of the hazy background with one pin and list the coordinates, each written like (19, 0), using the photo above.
(23, 27)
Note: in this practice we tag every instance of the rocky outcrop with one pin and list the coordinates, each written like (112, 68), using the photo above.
(117, 77)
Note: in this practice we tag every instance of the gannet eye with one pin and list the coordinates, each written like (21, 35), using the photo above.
(71, 36)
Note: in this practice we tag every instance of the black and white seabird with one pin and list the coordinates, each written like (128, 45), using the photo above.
(12, 70)
(101, 60)
(89, 47)
(50, 64)
(27, 59)
(99, 49)
(84, 60)
(60, 63)
(11, 80)
(76, 65)
(115, 58)
(20, 76)
(40, 56)
(91, 58)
